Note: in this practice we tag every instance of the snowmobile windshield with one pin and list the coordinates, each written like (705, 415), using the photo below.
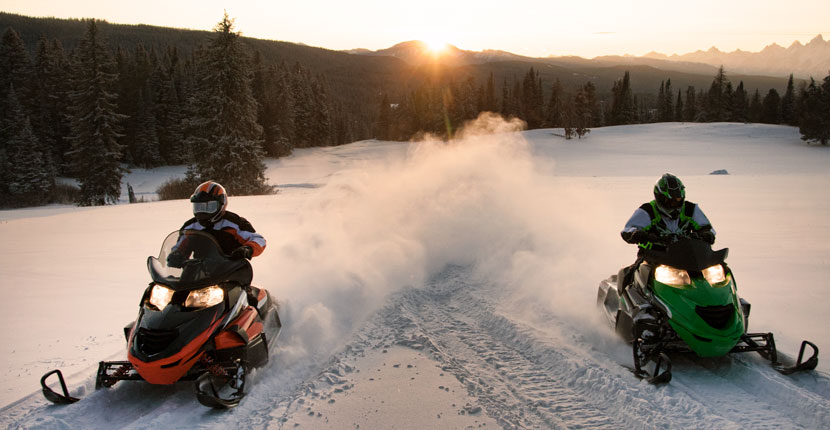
(687, 254)
(191, 258)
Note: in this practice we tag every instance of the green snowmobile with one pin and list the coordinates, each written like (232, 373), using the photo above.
(682, 297)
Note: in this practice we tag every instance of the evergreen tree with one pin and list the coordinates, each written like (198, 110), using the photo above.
(583, 111)
(95, 150)
(555, 105)
(788, 113)
(740, 104)
(490, 103)
(168, 114)
(668, 104)
(717, 100)
(771, 112)
(661, 102)
(15, 70)
(623, 108)
(51, 123)
(678, 110)
(224, 138)
(690, 108)
(756, 109)
(384, 130)
(814, 112)
(29, 173)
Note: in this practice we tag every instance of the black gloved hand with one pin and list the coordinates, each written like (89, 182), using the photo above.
(175, 259)
(641, 236)
(243, 251)
(707, 236)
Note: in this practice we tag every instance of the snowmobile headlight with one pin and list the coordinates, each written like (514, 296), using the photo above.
(714, 274)
(670, 276)
(205, 297)
(160, 296)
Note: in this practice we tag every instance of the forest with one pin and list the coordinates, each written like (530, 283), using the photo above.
(91, 106)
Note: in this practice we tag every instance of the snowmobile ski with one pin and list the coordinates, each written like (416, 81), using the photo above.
(52, 396)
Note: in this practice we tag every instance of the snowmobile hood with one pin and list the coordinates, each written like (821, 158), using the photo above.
(707, 317)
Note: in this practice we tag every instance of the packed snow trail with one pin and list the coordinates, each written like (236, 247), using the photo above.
(524, 376)
(547, 373)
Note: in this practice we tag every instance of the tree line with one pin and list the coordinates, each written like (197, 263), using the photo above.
(439, 107)
(87, 113)
(220, 109)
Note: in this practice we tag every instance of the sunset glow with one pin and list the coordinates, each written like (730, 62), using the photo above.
(436, 45)
(528, 27)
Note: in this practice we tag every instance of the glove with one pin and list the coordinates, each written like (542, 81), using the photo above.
(707, 236)
(243, 251)
(641, 236)
(175, 259)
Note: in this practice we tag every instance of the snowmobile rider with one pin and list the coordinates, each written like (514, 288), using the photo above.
(234, 233)
(664, 219)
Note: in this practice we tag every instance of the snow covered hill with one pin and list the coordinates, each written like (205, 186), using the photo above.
(434, 285)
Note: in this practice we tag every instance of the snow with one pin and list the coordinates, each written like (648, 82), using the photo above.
(434, 285)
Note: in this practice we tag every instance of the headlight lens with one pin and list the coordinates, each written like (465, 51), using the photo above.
(714, 274)
(205, 297)
(160, 296)
(670, 276)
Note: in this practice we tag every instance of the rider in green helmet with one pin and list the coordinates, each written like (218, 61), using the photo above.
(666, 217)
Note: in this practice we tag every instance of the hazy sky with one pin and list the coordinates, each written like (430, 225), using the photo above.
(527, 27)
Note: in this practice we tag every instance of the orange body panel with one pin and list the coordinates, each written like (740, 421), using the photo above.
(154, 372)
(247, 321)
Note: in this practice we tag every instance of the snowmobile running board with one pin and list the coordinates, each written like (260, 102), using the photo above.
(59, 399)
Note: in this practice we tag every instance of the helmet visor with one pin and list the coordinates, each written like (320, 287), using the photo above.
(205, 207)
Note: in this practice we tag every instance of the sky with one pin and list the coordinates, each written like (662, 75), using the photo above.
(535, 28)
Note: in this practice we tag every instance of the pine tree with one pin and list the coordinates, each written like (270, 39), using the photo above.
(771, 112)
(51, 123)
(555, 106)
(661, 101)
(95, 150)
(29, 170)
(668, 106)
(384, 129)
(490, 103)
(15, 69)
(224, 138)
(678, 110)
(690, 108)
(755, 107)
(168, 117)
(788, 113)
(740, 104)
(814, 112)
(623, 108)
(717, 100)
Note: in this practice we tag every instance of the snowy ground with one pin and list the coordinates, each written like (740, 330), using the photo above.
(441, 285)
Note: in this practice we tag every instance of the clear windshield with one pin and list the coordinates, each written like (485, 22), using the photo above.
(190, 258)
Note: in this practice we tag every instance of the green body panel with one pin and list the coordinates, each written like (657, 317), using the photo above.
(690, 327)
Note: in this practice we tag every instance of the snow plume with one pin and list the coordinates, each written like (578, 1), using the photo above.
(479, 200)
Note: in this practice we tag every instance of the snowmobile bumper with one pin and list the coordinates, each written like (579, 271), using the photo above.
(764, 344)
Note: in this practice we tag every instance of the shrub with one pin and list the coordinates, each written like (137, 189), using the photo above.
(176, 188)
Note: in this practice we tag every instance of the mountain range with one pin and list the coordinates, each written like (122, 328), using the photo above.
(812, 59)
(802, 60)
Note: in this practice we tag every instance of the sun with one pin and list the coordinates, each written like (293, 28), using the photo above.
(436, 44)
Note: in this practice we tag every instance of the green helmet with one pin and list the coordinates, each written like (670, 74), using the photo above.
(669, 194)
